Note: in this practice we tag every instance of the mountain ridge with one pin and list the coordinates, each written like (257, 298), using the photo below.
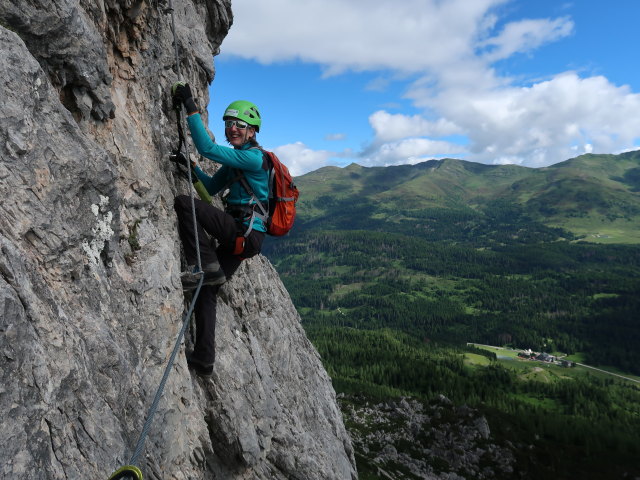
(589, 196)
(395, 269)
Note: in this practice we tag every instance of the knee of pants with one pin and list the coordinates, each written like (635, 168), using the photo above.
(207, 300)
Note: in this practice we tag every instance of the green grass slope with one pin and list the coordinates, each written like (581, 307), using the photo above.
(595, 197)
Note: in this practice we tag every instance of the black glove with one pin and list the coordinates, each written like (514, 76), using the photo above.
(181, 165)
(182, 95)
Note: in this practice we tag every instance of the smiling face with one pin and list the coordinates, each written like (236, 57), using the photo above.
(238, 132)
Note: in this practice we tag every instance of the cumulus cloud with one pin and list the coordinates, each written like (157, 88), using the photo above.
(409, 151)
(357, 34)
(547, 122)
(389, 127)
(300, 159)
(449, 49)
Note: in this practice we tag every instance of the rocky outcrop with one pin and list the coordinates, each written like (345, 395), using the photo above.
(433, 441)
(90, 297)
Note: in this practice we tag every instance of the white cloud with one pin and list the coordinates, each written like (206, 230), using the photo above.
(300, 159)
(450, 47)
(409, 150)
(389, 127)
(547, 122)
(524, 36)
(405, 36)
(539, 125)
(505, 160)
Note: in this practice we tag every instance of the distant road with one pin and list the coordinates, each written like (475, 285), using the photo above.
(581, 364)
(604, 371)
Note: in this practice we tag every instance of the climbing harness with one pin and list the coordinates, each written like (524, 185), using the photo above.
(245, 212)
(131, 471)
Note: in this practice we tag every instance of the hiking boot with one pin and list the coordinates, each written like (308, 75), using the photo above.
(203, 369)
(213, 275)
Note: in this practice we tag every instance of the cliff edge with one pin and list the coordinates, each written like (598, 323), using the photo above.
(90, 296)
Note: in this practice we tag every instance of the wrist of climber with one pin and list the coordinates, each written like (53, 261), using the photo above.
(190, 106)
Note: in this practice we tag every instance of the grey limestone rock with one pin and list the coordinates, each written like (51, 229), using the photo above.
(90, 297)
(435, 441)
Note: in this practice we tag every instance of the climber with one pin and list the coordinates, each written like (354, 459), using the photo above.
(238, 230)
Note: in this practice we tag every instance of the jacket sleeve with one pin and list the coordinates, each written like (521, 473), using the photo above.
(250, 160)
(214, 183)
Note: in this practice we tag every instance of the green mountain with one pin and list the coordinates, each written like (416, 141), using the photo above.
(394, 270)
(595, 197)
(463, 252)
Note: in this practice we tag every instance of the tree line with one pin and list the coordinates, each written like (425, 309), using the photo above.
(569, 297)
(597, 420)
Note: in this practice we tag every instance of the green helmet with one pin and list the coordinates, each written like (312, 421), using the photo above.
(245, 111)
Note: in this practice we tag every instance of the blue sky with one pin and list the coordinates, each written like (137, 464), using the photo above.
(389, 82)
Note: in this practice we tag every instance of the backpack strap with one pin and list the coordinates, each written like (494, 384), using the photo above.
(245, 184)
(254, 201)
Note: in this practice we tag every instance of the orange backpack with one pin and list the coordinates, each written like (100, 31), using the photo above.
(279, 215)
(283, 195)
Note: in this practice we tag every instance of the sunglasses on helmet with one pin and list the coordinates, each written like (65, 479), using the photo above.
(240, 125)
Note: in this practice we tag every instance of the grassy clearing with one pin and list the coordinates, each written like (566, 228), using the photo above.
(607, 372)
(541, 374)
(605, 295)
(473, 359)
(532, 370)
(576, 357)
(499, 351)
(343, 289)
(603, 231)
(543, 402)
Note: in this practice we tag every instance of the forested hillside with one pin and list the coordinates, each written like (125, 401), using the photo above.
(395, 269)
(546, 296)
(595, 197)
(496, 271)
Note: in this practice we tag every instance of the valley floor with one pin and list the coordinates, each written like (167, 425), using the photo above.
(558, 360)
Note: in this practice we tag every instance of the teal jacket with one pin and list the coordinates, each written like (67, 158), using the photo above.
(247, 159)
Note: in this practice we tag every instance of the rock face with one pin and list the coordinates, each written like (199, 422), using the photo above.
(90, 297)
(435, 441)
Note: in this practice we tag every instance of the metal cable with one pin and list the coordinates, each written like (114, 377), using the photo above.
(185, 323)
(167, 371)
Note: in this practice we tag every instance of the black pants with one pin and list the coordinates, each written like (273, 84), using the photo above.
(212, 224)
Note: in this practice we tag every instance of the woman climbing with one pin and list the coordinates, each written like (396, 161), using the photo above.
(238, 230)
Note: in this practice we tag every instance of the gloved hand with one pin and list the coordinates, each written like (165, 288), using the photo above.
(182, 95)
(181, 165)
